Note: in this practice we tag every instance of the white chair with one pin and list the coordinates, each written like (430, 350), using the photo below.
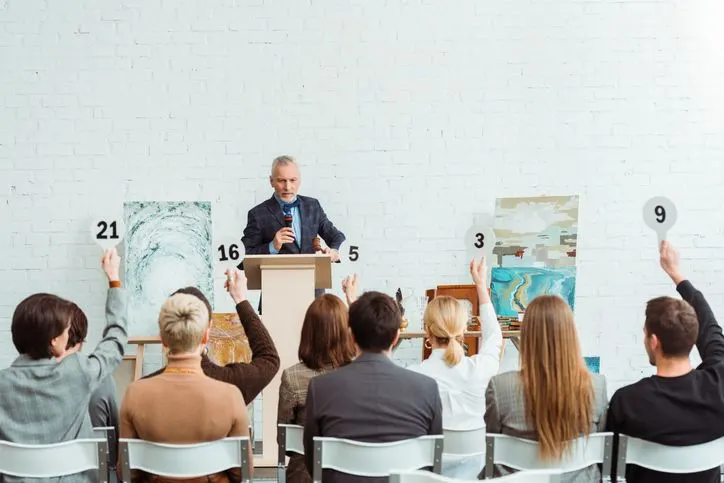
(184, 460)
(376, 459)
(290, 439)
(668, 459)
(54, 460)
(532, 476)
(522, 454)
(464, 442)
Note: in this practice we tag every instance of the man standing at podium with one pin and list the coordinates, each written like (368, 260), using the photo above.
(288, 223)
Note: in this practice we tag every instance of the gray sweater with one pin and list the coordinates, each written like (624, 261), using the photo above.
(44, 401)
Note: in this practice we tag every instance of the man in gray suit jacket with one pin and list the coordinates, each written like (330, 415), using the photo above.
(371, 399)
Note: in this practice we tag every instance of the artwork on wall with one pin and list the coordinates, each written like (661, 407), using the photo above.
(513, 288)
(535, 251)
(593, 363)
(228, 342)
(536, 232)
(168, 246)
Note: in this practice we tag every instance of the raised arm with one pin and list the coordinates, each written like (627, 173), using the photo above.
(252, 377)
(108, 354)
(492, 336)
(710, 341)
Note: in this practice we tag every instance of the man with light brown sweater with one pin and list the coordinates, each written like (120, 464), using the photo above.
(182, 405)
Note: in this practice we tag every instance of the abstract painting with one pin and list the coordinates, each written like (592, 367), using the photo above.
(513, 288)
(536, 231)
(593, 363)
(168, 246)
(228, 342)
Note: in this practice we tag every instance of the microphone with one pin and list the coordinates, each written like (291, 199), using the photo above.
(288, 220)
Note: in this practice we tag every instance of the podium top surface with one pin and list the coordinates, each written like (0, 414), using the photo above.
(254, 266)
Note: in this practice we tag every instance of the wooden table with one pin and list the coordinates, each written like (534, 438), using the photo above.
(512, 335)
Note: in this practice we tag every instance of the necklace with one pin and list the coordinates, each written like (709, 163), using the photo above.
(180, 370)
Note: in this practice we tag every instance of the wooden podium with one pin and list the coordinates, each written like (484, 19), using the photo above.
(287, 284)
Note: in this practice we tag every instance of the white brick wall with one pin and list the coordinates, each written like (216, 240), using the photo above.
(410, 118)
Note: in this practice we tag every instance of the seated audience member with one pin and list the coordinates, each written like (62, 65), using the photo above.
(553, 399)
(183, 405)
(103, 407)
(45, 393)
(326, 344)
(252, 377)
(678, 406)
(462, 380)
(371, 399)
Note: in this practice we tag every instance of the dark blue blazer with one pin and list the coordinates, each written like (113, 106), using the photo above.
(265, 219)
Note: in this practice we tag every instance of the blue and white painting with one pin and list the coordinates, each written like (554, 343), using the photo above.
(513, 288)
(168, 246)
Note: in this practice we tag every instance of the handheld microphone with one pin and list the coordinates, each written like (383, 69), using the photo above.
(288, 220)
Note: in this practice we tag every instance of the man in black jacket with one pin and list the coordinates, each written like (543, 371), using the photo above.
(679, 406)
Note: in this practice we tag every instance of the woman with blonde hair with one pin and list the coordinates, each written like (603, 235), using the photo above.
(462, 380)
(553, 399)
(183, 405)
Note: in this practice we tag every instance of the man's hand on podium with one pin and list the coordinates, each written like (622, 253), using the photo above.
(236, 285)
(350, 287)
(333, 254)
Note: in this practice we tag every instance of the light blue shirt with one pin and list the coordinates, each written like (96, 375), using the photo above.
(296, 225)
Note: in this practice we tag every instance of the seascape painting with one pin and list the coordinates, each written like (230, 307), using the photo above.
(513, 288)
(536, 231)
(168, 246)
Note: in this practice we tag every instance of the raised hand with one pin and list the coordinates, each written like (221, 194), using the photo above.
(111, 263)
(669, 261)
(479, 271)
(236, 285)
(350, 287)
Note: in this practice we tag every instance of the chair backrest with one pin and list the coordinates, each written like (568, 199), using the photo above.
(532, 476)
(109, 434)
(54, 460)
(290, 438)
(376, 459)
(669, 459)
(464, 442)
(184, 460)
(522, 454)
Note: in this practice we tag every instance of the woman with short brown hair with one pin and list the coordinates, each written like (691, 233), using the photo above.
(553, 399)
(326, 344)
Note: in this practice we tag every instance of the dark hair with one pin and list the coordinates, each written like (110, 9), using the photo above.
(199, 295)
(326, 341)
(78, 326)
(374, 319)
(674, 323)
(38, 320)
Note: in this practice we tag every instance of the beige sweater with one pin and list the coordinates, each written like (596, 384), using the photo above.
(183, 406)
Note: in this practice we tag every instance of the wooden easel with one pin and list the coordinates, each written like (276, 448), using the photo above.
(140, 343)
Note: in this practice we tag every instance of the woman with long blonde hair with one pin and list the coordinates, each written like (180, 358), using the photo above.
(461, 380)
(553, 399)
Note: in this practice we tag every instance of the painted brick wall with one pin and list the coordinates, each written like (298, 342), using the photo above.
(409, 118)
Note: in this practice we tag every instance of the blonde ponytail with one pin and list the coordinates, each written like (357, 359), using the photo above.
(445, 320)
(454, 352)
